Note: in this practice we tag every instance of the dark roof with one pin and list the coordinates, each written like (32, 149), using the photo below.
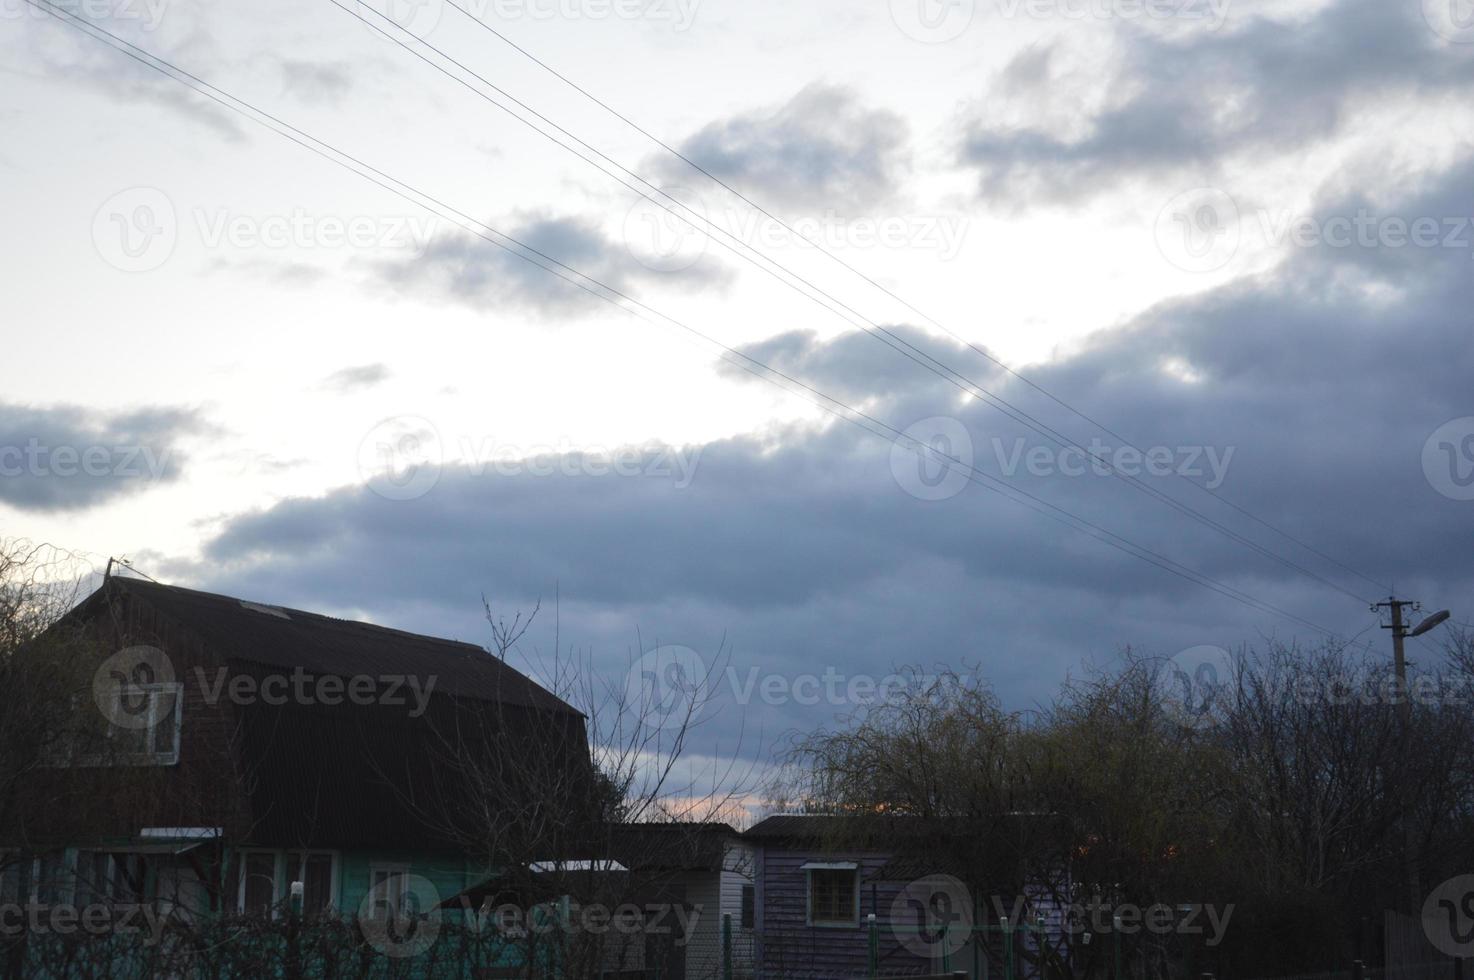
(670, 846)
(257, 633)
(793, 825)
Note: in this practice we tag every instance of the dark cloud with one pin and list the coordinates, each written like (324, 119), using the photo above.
(465, 269)
(356, 378)
(822, 149)
(810, 548)
(66, 458)
(888, 362)
(1197, 99)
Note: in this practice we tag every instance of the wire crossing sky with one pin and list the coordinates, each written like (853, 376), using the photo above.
(1225, 250)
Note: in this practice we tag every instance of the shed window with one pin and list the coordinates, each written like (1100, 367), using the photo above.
(749, 906)
(834, 896)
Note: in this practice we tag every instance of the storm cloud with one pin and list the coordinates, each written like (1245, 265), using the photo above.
(65, 458)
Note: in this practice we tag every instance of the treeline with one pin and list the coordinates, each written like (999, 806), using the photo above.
(1305, 790)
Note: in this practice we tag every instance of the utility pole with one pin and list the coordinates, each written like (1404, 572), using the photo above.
(1400, 632)
(1398, 626)
(1404, 714)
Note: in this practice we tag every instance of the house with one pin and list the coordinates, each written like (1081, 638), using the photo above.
(711, 866)
(235, 756)
(691, 886)
(844, 897)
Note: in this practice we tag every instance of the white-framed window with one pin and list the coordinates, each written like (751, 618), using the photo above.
(833, 894)
(389, 886)
(140, 725)
(266, 876)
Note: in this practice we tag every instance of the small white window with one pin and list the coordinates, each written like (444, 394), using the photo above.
(389, 887)
(146, 725)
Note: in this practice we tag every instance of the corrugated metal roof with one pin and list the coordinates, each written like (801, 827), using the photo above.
(251, 632)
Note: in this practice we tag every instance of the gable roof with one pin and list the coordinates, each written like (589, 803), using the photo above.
(256, 633)
(671, 846)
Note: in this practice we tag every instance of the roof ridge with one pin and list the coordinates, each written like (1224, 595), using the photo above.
(132, 582)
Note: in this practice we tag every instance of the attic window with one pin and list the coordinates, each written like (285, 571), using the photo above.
(268, 610)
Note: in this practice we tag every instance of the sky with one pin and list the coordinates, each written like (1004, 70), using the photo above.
(1006, 334)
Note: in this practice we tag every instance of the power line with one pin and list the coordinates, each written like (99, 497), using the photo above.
(613, 296)
(778, 271)
(983, 352)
